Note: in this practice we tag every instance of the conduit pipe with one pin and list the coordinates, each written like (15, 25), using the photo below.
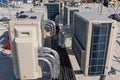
(56, 62)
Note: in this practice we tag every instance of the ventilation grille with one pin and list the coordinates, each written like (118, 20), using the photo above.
(53, 10)
(99, 48)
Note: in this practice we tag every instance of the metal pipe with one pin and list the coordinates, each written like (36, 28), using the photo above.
(51, 58)
(48, 62)
(43, 55)
(52, 23)
(47, 26)
(101, 7)
(47, 35)
(50, 26)
(57, 59)
(53, 65)
(62, 35)
(54, 30)
(61, 39)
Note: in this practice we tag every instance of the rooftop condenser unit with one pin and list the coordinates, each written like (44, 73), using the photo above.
(26, 35)
(93, 42)
(53, 10)
(68, 14)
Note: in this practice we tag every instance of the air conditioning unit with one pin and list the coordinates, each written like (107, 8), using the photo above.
(45, 1)
(40, 9)
(26, 35)
(52, 0)
(93, 42)
(68, 14)
(54, 9)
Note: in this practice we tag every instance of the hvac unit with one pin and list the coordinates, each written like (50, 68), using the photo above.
(93, 42)
(54, 9)
(52, 0)
(44, 1)
(68, 14)
(26, 35)
(40, 9)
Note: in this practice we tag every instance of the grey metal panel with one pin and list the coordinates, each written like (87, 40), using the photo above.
(79, 51)
(71, 16)
(65, 15)
(80, 30)
(68, 15)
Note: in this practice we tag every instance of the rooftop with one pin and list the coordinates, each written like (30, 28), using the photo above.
(75, 66)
